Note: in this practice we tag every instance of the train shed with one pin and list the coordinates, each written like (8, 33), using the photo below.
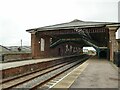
(70, 37)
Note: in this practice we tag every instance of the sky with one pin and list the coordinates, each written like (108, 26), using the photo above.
(16, 16)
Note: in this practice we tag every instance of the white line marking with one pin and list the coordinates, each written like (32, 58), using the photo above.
(65, 76)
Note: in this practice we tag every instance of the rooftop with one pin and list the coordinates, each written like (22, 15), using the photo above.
(73, 24)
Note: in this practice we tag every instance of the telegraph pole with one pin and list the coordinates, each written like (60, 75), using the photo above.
(21, 44)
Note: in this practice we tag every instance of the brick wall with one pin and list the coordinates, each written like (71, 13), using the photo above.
(7, 73)
(16, 56)
(35, 45)
(48, 52)
(112, 42)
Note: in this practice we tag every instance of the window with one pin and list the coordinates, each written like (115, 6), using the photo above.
(70, 48)
(42, 44)
(66, 48)
(50, 40)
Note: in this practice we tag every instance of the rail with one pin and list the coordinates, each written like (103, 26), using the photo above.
(33, 80)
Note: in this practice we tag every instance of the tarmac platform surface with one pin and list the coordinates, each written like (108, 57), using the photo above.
(94, 73)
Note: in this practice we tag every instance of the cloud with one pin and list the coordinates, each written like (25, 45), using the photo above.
(18, 15)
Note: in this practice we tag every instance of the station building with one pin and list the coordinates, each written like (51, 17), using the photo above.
(69, 38)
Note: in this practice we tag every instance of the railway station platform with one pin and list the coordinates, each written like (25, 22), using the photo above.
(15, 64)
(18, 68)
(94, 73)
(26, 62)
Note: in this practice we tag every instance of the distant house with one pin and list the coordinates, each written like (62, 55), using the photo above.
(10, 49)
(13, 48)
(4, 49)
(26, 49)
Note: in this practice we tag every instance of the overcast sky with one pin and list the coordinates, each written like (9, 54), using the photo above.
(16, 16)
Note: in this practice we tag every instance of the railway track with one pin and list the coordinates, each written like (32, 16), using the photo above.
(40, 78)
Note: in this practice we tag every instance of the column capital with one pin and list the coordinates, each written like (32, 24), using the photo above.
(34, 32)
(113, 28)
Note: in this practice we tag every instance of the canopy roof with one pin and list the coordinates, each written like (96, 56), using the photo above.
(74, 24)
